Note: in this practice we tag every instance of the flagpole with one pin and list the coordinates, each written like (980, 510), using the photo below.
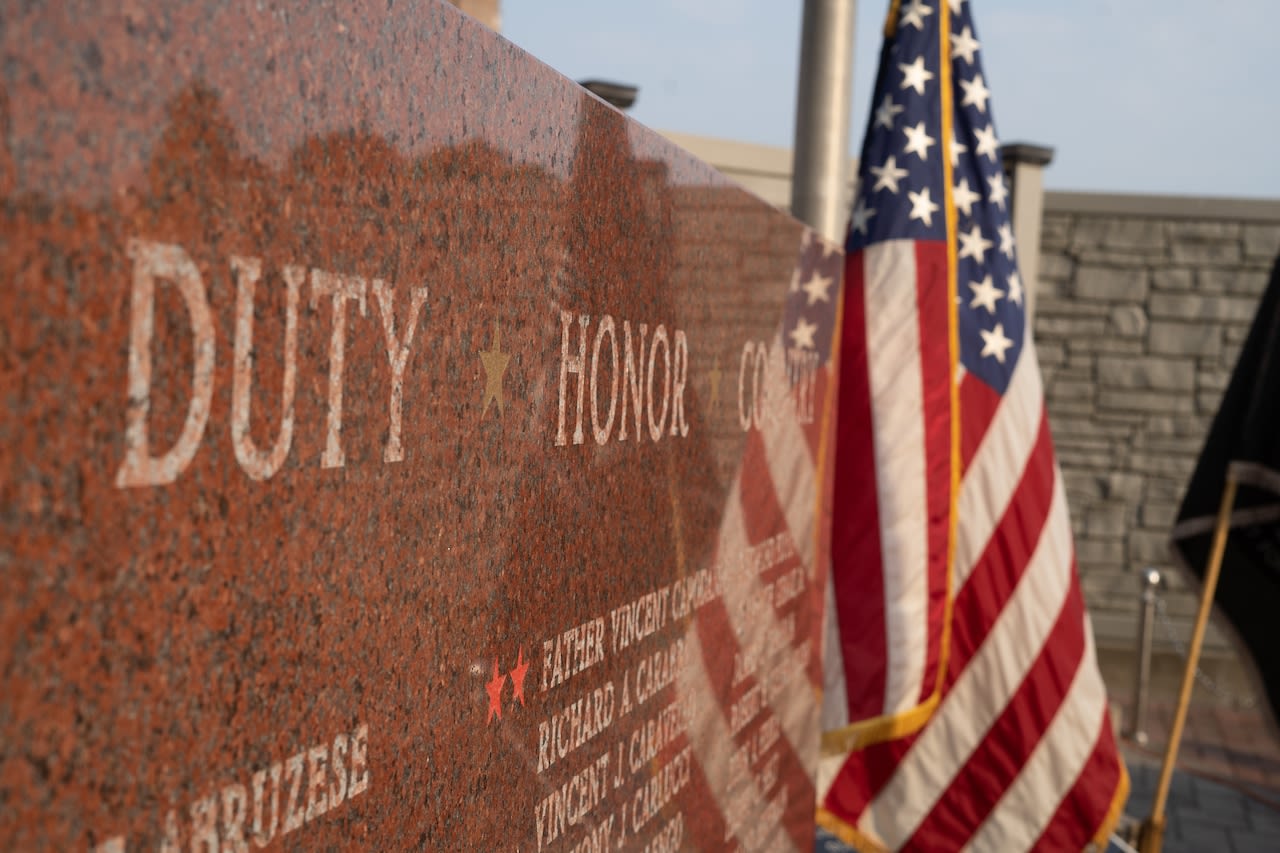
(821, 151)
(1153, 829)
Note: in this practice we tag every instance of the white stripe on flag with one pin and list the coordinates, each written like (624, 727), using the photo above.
(835, 694)
(983, 690)
(998, 464)
(897, 411)
(786, 449)
(1051, 772)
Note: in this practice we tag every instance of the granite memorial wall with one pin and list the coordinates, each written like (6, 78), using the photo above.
(401, 449)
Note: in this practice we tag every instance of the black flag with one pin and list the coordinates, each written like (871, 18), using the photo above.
(1245, 439)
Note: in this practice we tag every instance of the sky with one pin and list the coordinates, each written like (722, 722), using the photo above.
(1135, 96)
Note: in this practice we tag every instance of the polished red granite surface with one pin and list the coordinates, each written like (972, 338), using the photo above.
(400, 449)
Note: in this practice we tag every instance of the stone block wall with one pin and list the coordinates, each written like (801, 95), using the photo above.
(1142, 306)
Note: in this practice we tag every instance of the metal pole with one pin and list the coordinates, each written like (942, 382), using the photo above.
(1142, 681)
(822, 116)
(1153, 828)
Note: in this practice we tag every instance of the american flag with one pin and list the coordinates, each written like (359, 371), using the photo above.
(964, 706)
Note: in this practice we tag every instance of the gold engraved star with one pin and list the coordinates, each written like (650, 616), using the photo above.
(495, 367)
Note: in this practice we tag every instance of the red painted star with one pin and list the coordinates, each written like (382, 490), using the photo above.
(494, 689)
(517, 676)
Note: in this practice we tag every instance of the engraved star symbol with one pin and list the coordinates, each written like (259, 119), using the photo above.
(517, 676)
(994, 342)
(495, 367)
(494, 689)
(817, 286)
(802, 334)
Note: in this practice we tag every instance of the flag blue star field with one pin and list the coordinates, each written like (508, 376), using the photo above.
(963, 703)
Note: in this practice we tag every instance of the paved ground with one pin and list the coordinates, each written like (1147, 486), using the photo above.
(1204, 815)
(1225, 795)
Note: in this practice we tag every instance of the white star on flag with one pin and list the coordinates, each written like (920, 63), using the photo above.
(1015, 288)
(976, 93)
(887, 112)
(915, 75)
(999, 192)
(918, 141)
(973, 244)
(817, 286)
(922, 207)
(965, 45)
(861, 216)
(987, 142)
(957, 148)
(888, 175)
(915, 14)
(1006, 239)
(802, 334)
(994, 342)
(965, 197)
(986, 294)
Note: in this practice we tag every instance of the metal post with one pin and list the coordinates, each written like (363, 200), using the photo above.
(821, 152)
(1153, 827)
(1024, 164)
(1142, 680)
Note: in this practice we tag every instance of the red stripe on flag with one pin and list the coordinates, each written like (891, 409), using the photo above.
(858, 583)
(1003, 561)
(1009, 743)
(863, 775)
(934, 306)
(1091, 796)
(979, 403)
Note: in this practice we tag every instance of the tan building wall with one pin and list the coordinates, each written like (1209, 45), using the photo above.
(487, 12)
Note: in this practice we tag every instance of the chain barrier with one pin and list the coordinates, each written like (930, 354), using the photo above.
(1162, 616)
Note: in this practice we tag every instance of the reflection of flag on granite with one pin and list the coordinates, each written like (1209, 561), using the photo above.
(750, 648)
(964, 703)
(1243, 439)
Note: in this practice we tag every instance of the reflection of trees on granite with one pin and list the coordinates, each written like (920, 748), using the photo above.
(210, 622)
(210, 627)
